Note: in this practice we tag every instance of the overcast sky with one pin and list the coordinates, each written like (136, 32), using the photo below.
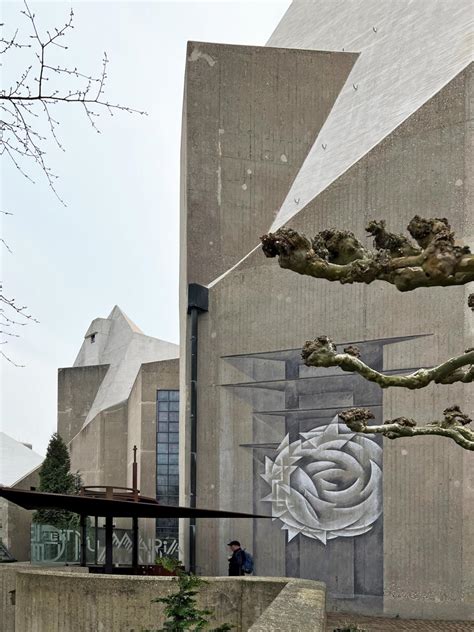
(116, 241)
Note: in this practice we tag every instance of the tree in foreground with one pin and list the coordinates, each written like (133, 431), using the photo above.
(433, 259)
(55, 477)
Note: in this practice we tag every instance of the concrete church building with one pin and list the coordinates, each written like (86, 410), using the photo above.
(121, 383)
(356, 109)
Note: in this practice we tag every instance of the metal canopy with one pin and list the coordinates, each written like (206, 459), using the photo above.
(92, 506)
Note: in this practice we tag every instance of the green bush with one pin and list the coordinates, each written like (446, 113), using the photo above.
(181, 608)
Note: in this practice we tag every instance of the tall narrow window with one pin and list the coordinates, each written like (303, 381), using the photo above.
(167, 468)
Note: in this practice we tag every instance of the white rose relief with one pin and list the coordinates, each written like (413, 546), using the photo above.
(327, 484)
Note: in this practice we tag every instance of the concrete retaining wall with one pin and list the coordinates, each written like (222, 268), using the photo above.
(63, 601)
(8, 585)
(300, 606)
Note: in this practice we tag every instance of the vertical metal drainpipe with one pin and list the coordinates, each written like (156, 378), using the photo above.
(193, 446)
(198, 301)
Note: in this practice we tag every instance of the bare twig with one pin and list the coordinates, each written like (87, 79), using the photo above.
(28, 105)
(19, 140)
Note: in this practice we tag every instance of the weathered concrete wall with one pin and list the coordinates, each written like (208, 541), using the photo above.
(142, 418)
(77, 388)
(7, 595)
(250, 115)
(17, 521)
(142, 428)
(299, 606)
(102, 450)
(8, 576)
(421, 168)
(257, 113)
(48, 601)
(98, 452)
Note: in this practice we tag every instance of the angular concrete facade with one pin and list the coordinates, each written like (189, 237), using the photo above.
(107, 403)
(264, 420)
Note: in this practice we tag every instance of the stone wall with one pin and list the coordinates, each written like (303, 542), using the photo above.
(8, 586)
(61, 601)
(77, 388)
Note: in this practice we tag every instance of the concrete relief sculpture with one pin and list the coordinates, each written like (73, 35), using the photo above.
(327, 484)
(319, 480)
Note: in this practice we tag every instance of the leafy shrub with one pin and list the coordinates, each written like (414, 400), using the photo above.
(180, 607)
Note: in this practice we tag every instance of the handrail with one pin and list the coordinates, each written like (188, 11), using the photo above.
(109, 491)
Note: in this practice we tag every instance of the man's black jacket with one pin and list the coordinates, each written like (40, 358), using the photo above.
(236, 563)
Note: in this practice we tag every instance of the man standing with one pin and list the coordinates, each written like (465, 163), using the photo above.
(237, 559)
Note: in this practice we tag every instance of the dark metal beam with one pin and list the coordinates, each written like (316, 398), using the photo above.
(92, 506)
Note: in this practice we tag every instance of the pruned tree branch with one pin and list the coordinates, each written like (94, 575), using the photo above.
(453, 426)
(322, 352)
(337, 255)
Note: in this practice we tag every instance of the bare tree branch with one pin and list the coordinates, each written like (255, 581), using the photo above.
(337, 255)
(28, 99)
(322, 352)
(27, 106)
(453, 426)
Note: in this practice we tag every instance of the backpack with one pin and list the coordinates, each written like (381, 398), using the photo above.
(247, 562)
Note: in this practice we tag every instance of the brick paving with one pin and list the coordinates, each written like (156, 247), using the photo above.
(384, 624)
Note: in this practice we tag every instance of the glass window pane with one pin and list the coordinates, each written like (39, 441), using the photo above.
(162, 458)
(163, 427)
(174, 459)
(161, 480)
(163, 406)
(173, 416)
(174, 406)
(163, 469)
(174, 448)
(174, 437)
(174, 396)
(174, 427)
(174, 480)
(162, 437)
(174, 469)
(163, 416)
(163, 396)
(161, 448)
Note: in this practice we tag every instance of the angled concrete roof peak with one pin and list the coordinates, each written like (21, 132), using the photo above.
(118, 342)
(409, 50)
(16, 459)
(117, 313)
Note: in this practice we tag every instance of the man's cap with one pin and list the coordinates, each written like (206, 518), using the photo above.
(233, 543)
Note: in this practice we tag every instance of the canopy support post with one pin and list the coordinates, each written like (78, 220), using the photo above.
(109, 565)
(83, 525)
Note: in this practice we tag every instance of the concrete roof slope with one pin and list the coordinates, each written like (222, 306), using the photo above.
(118, 342)
(410, 49)
(16, 460)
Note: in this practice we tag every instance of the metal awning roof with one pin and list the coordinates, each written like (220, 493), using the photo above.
(92, 506)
